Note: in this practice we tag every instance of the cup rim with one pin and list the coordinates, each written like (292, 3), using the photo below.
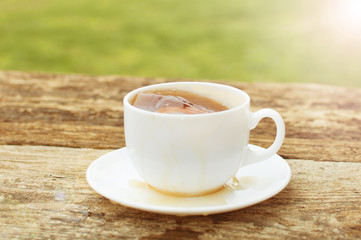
(129, 95)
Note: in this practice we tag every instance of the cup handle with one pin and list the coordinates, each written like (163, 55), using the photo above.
(253, 156)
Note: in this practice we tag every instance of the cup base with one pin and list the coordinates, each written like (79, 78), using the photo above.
(184, 194)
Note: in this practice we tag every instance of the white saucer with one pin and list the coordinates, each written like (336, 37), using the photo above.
(113, 176)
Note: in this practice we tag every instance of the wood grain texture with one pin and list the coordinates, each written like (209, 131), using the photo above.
(44, 194)
(52, 126)
(322, 122)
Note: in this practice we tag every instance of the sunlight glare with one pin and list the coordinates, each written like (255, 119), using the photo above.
(346, 15)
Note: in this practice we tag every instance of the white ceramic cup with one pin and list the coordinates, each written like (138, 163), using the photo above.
(195, 154)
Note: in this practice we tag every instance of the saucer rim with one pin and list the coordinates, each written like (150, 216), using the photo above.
(185, 211)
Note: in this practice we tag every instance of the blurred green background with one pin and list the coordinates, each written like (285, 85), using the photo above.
(315, 41)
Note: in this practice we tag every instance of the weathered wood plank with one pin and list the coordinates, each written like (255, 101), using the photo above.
(86, 111)
(44, 194)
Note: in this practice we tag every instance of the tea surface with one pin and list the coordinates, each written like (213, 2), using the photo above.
(176, 102)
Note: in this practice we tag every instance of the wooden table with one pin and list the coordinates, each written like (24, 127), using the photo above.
(53, 126)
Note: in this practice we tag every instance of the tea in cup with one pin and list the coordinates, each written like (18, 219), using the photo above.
(190, 138)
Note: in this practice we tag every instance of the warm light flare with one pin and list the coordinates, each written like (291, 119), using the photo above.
(346, 16)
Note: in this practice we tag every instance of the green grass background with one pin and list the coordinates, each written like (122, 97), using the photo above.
(252, 41)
